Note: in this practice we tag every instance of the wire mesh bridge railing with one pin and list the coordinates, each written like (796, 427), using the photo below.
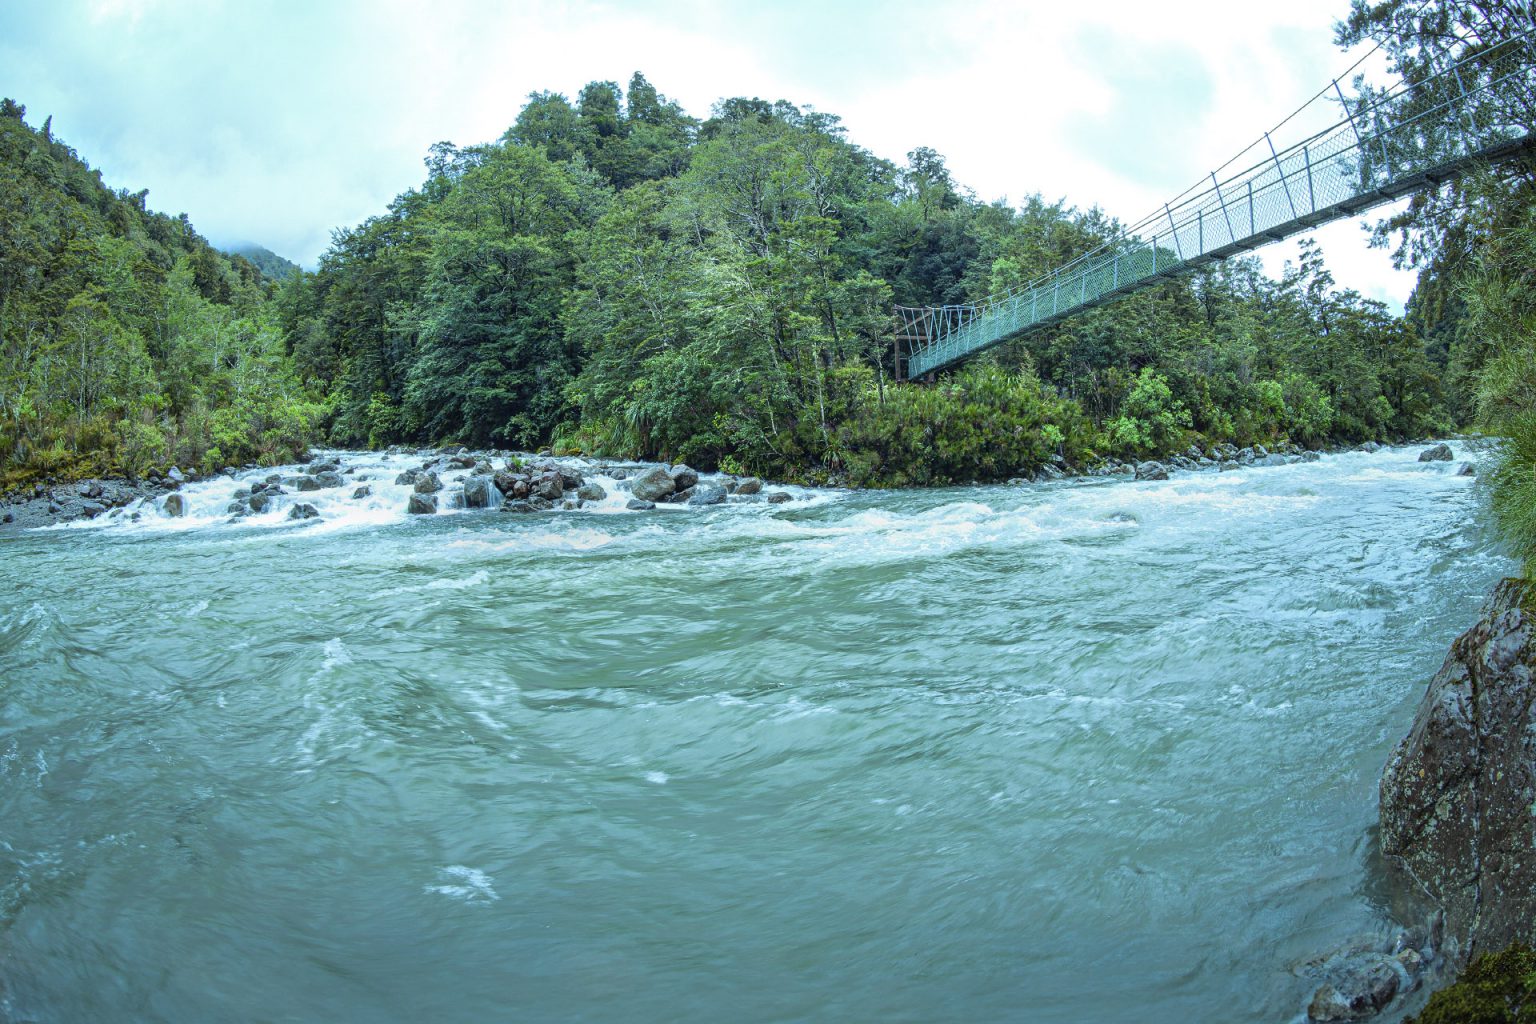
(1384, 147)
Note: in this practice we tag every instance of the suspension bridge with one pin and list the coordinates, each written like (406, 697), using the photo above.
(1383, 146)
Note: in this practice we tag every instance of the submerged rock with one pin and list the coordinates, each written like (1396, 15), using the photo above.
(707, 494)
(636, 505)
(1466, 469)
(652, 485)
(1457, 795)
(1439, 453)
(1360, 990)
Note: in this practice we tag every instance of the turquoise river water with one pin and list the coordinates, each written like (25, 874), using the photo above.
(1091, 751)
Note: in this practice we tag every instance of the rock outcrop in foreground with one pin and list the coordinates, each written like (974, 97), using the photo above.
(1458, 797)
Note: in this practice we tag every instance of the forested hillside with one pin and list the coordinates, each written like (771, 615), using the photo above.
(126, 341)
(615, 276)
(272, 266)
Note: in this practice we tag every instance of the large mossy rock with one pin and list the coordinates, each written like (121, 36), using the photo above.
(1458, 796)
(1498, 988)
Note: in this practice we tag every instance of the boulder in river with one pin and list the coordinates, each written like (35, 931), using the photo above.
(304, 483)
(263, 500)
(1151, 471)
(428, 483)
(1228, 466)
(636, 505)
(175, 506)
(1360, 990)
(591, 492)
(548, 485)
(328, 478)
(316, 468)
(1439, 453)
(778, 497)
(421, 504)
(707, 494)
(1466, 469)
(684, 477)
(303, 510)
(652, 485)
(406, 478)
(1457, 794)
(359, 493)
(749, 485)
(480, 492)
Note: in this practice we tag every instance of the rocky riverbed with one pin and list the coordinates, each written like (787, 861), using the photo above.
(345, 484)
(453, 478)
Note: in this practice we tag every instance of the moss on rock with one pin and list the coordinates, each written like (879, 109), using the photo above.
(1496, 988)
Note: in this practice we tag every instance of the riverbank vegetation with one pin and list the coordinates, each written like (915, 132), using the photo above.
(615, 276)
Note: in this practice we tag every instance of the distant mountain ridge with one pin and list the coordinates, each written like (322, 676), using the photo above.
(272, 266)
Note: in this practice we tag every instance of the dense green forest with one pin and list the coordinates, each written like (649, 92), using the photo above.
(615, 276)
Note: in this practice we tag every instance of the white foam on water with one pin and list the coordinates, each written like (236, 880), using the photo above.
(466, 884)
(478, 578)
(657, 778)
(336, 653)
(337, 727)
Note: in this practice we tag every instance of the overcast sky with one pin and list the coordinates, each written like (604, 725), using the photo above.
(275, 122)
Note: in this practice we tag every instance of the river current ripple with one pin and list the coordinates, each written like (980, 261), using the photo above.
(1089, 751)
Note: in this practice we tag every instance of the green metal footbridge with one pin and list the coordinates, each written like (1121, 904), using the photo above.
(1386, 145)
